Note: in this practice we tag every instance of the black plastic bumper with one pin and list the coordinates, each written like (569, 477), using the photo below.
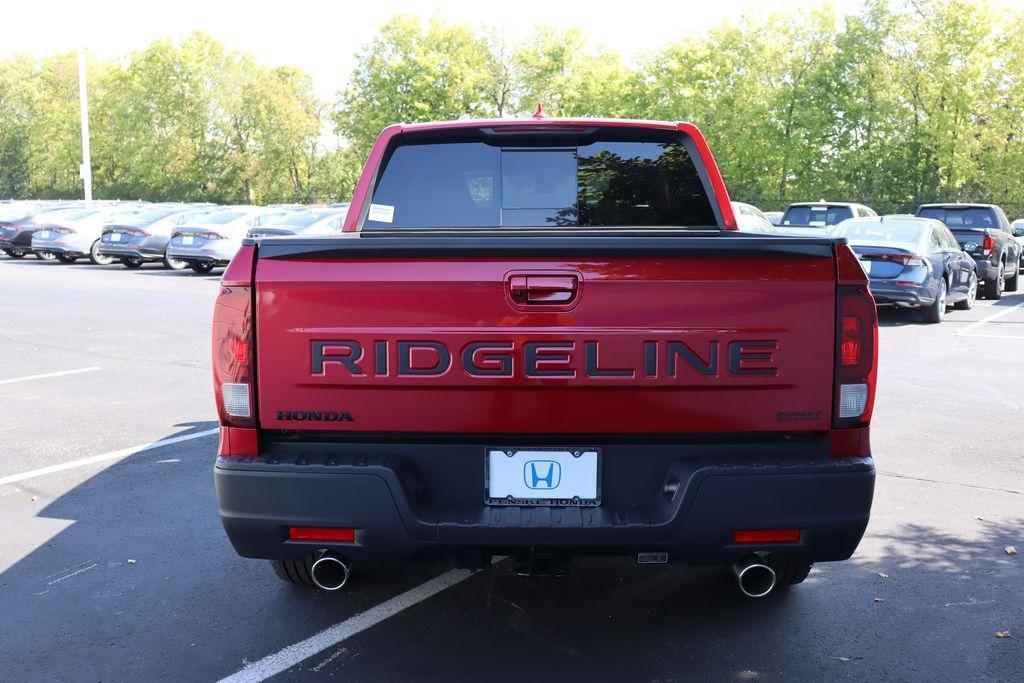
(684, 500)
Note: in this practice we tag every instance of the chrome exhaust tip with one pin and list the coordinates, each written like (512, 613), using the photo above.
(329, 573)
(755, 578)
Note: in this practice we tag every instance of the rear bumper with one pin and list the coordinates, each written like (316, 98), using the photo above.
(57, 249)
(986, 270)
(889, 292)
(393, 503)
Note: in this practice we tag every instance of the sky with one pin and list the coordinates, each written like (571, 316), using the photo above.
(322, 37)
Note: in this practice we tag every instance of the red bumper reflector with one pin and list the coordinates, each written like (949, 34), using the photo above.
(766, 536)
(318, 533)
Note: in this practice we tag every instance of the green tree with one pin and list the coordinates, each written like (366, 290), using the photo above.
(414, 71)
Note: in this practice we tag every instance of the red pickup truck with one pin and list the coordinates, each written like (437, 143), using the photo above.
(544, 338)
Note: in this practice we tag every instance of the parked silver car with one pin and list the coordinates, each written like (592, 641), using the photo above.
(69, 239)
(214, 240)
(147, 235)
(17, 227)
(309, 222)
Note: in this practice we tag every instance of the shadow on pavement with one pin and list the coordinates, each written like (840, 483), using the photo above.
(933, 618)
(129, 575)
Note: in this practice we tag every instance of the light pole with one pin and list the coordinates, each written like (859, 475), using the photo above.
(85, 170)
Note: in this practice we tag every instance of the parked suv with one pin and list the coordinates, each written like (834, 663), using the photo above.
(983, 230)
(810, 218)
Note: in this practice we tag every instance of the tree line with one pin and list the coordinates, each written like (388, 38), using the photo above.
(900, 102)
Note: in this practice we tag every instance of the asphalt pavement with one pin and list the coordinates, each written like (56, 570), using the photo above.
(114, 566)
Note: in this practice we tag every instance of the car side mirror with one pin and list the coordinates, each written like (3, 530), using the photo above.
(1018, 231)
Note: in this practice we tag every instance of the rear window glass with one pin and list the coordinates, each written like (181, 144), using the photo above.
(303, 219)
(880, 231)
(223, 217)
(975, 217)
(814, 216)
(598, 184)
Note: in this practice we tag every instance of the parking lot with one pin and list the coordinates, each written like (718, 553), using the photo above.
(114, 564)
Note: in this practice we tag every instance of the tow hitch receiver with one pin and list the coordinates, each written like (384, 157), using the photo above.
(542, 564)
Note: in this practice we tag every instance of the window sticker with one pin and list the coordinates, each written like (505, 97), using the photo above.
(382, 213)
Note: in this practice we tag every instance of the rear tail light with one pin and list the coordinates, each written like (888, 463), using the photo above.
(233, 366)
(987, 246)
(856, 356)
(905, 259)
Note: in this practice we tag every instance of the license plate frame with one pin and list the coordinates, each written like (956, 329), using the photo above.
(579, 458)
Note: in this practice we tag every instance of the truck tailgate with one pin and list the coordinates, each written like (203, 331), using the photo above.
(693, 337)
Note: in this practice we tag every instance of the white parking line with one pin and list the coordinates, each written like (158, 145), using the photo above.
(994, 316)
(274, 664)
(48, 374)
(112, 455)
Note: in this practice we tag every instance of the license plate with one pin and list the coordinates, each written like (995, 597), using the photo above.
(543, 476)
(188, 239)
(115, 237)
(44, 234)
(867, 266)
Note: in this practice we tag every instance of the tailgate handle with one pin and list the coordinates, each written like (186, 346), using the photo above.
(544, 289)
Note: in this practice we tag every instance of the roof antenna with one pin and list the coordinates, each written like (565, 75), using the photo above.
(539, 114)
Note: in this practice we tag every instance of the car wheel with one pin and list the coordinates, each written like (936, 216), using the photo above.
(45, 255)
(174, 264)
(16, 253)
(937, 311)
(132, 263)
(201, 268)
(1013, 282)
(66, 258)
(972, 294)
(994, 286)
(96, 257)
(294, 572)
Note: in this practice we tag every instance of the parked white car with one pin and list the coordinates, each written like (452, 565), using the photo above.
(750, 219)
(69, 239)
(213, 240)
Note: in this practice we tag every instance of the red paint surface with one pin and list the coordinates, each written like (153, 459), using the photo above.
(621, 304)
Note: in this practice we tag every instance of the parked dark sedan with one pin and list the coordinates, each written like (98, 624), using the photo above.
(913, 262)
(984, 232)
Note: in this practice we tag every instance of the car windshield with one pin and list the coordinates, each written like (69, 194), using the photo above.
(967, 217)
(815, 216)
(602, 183)
(880, 231)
